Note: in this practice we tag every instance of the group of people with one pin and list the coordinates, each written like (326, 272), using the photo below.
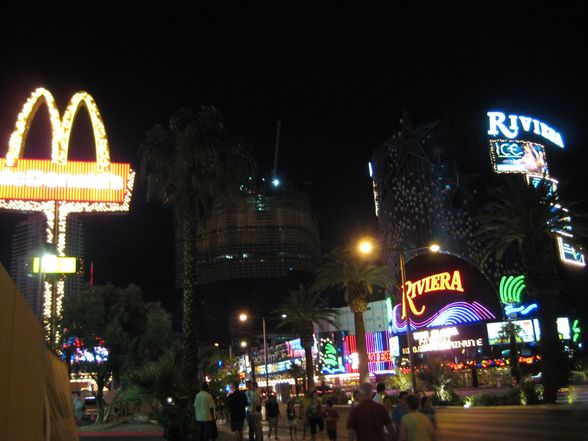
(309, 414)
(372, 417)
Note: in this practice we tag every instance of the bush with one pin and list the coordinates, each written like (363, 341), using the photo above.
(512, 397)
(451, 399)
(531, 393)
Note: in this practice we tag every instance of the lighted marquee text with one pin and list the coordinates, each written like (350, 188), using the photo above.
(512, 125)
(442, 339)
(439, 282)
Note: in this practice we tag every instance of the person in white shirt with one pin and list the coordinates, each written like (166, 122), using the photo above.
(380, 392)
(204, 407)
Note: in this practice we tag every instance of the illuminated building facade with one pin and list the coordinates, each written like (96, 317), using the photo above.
(429, 182)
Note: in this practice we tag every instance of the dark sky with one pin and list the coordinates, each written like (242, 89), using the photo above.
(338, 78)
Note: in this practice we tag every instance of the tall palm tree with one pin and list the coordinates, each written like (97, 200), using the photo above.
(303, 309)
(191, 166)
(358, 278)
(527, 218)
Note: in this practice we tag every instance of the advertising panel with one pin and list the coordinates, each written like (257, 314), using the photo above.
(514, 156)
(526, 333)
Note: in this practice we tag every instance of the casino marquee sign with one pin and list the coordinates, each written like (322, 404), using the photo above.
(443, 290)
(58, 187)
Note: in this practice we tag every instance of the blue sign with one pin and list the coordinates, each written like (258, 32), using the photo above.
(512, 126)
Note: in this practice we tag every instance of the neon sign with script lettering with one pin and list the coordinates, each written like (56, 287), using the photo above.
(443, 290)
(438, 282)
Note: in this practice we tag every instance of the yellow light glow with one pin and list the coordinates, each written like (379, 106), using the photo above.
(243, 344)
(243, 317)
(365, 247)
(435, 248)
(51, 264)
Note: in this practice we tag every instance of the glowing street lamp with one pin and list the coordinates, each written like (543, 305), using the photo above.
(243, 317)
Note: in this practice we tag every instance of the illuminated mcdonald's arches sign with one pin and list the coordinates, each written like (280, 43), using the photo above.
(98, 183)
(58, 187)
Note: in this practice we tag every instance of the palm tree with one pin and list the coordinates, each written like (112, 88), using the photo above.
(528, 218)
(303, 309)
(191, 166)
(296, 372)
(358, 278)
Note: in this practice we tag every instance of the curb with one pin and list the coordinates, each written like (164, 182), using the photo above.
(127, 434)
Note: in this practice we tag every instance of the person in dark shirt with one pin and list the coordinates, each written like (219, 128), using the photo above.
(366, 420)
(272, 412)
(236, 402)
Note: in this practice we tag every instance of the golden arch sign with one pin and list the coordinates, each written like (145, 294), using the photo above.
(58, 187)
(57, 179)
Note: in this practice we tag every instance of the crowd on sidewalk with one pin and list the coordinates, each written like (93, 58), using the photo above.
(372, 417)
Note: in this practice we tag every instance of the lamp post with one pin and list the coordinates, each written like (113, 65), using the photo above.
(406, 311)
(243, 318)
(366, 247)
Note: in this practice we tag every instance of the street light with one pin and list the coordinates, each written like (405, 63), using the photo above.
(435, 249)
(243, 317)
(366, 247)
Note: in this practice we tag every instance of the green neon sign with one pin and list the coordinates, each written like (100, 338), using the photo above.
(511, 289)
(576, 331)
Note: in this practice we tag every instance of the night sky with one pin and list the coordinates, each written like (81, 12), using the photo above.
(336, 77)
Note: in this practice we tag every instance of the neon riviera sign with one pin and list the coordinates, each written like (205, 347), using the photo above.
(438, 282)
(512, 125)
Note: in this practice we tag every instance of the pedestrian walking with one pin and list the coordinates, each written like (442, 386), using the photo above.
(415, 426)
(380, 393)
(204, 408)
(366, 420)
(253, 400)
(237, 404)
(399, 411)
(272, 412)
(314, 414)
(78, 408)
(302, 413)
(291, 417)
(257, 425)
(331, 417)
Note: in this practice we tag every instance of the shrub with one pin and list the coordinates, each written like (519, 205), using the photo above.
(512, 397)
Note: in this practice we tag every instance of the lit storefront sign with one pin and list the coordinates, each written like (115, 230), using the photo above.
(511, 126)
(55, 265)
(442, 339)
(443, 290)
(274, 368)
(330, 357)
